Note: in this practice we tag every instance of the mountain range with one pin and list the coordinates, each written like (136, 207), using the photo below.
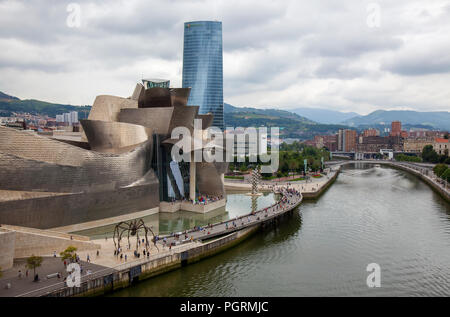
(10, 104)
(433, 120)
(291, 125)
(324, 115)
(302, 123)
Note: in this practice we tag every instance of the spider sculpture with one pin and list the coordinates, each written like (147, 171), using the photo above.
(131, 228)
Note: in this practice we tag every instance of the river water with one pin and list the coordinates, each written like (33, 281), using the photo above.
(369, 215)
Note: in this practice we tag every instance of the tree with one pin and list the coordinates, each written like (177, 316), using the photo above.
(440, 169)
(293, 166)
(34, 262)
(429, 154)
(69, 254)
(243, 168)
(446, 175)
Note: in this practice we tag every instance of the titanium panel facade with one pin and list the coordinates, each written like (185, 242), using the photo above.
(114, 137)
(158, 119)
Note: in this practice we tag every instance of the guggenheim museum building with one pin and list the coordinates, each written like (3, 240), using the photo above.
(122, 163)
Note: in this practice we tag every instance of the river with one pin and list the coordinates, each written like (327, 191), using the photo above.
(369, 215)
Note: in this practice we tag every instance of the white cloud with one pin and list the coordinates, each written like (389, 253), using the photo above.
(282, 53)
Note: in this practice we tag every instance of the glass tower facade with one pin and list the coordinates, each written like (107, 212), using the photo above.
(203, 67)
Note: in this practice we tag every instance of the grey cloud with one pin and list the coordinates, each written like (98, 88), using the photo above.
(304, 44)
(432, 62)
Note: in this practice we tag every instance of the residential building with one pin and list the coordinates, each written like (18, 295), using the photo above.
(441, 146)
(412, 145)
(347, 140)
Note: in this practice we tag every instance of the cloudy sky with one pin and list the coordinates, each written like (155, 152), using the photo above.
(343, 55)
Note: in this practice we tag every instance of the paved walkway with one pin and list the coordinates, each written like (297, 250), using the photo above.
(425, 169)
(106, 261)
(25, 286)
(305, 186)
(177, 243)
(291, 199)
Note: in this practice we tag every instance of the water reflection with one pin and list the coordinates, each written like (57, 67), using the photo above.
(370, 214)
(238, 204)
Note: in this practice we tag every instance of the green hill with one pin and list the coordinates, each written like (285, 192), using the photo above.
(291, 125)
(433, 120)
(10, 105)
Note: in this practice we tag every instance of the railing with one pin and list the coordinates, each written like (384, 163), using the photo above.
(288, 202)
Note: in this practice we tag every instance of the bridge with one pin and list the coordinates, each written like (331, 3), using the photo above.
(291, 198)
(368, 155)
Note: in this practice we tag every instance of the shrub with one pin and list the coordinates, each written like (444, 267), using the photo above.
(440, 169)
(446, 175)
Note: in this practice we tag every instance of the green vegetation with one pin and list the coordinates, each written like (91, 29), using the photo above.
(69, 254)
(1, 273)
(431, 156)
(442, 171)
(297, 179)
(291, 125)
(446, 175)
(291, 160)
(33, 262)
(407, 158)
(9, 105)
(234, 177)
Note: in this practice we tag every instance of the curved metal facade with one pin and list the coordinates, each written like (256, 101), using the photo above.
(114, 137)
(158, 119)
(122, 168)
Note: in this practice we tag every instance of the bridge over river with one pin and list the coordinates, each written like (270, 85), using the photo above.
(291, 198)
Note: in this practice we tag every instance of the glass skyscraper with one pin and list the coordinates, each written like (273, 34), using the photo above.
(202, 67)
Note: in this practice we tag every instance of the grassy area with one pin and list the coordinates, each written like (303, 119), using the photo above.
(297, 179)
(317, 176)
(234, 177)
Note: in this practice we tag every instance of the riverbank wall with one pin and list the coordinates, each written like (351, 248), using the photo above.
(414, 170)
(438, 189)
(128, 274)
(316, 194)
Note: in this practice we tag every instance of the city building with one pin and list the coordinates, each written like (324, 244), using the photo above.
(371, 132)
(248, 142)
(326, 141)
(441, 146)
(396, 128)
(203, 67)
(347, 140)
(121, 166)
(73, 117)
(70, 118)
(373, 144)
(414, 145)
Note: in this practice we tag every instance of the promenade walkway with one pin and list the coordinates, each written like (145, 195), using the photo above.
(424, 170)
(106, 262)
(291, 198)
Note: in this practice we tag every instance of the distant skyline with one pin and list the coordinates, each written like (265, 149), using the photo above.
(355, 56)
